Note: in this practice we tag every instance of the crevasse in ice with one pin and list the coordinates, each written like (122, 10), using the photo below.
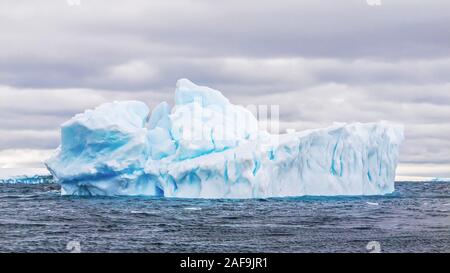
(207, 147)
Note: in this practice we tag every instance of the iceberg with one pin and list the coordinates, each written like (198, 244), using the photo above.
(439, 179)
(25, 176)
(23, 179)
(35, 179)
(207, 147)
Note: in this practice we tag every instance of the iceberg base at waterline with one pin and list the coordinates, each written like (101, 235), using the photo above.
(206, 147)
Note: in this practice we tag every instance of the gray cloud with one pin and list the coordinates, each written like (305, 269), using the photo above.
(321, 61)
(52, 44)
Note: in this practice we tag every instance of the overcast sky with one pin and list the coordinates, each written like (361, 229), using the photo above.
(321, 61)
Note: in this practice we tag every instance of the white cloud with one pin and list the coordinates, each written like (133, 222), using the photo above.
(27, 138)
(47, 101)
(133, 71)
(23, 158)
(423, 170)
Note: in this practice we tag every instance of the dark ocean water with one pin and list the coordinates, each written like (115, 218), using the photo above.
(35, 218)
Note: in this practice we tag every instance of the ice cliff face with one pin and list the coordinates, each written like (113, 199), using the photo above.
(207, 147)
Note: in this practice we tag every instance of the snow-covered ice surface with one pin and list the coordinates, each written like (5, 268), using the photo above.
(207, 147)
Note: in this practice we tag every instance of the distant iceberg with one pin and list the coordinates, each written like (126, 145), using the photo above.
(440, 179)
(34, 179)
(25, 176)
(206, 147)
